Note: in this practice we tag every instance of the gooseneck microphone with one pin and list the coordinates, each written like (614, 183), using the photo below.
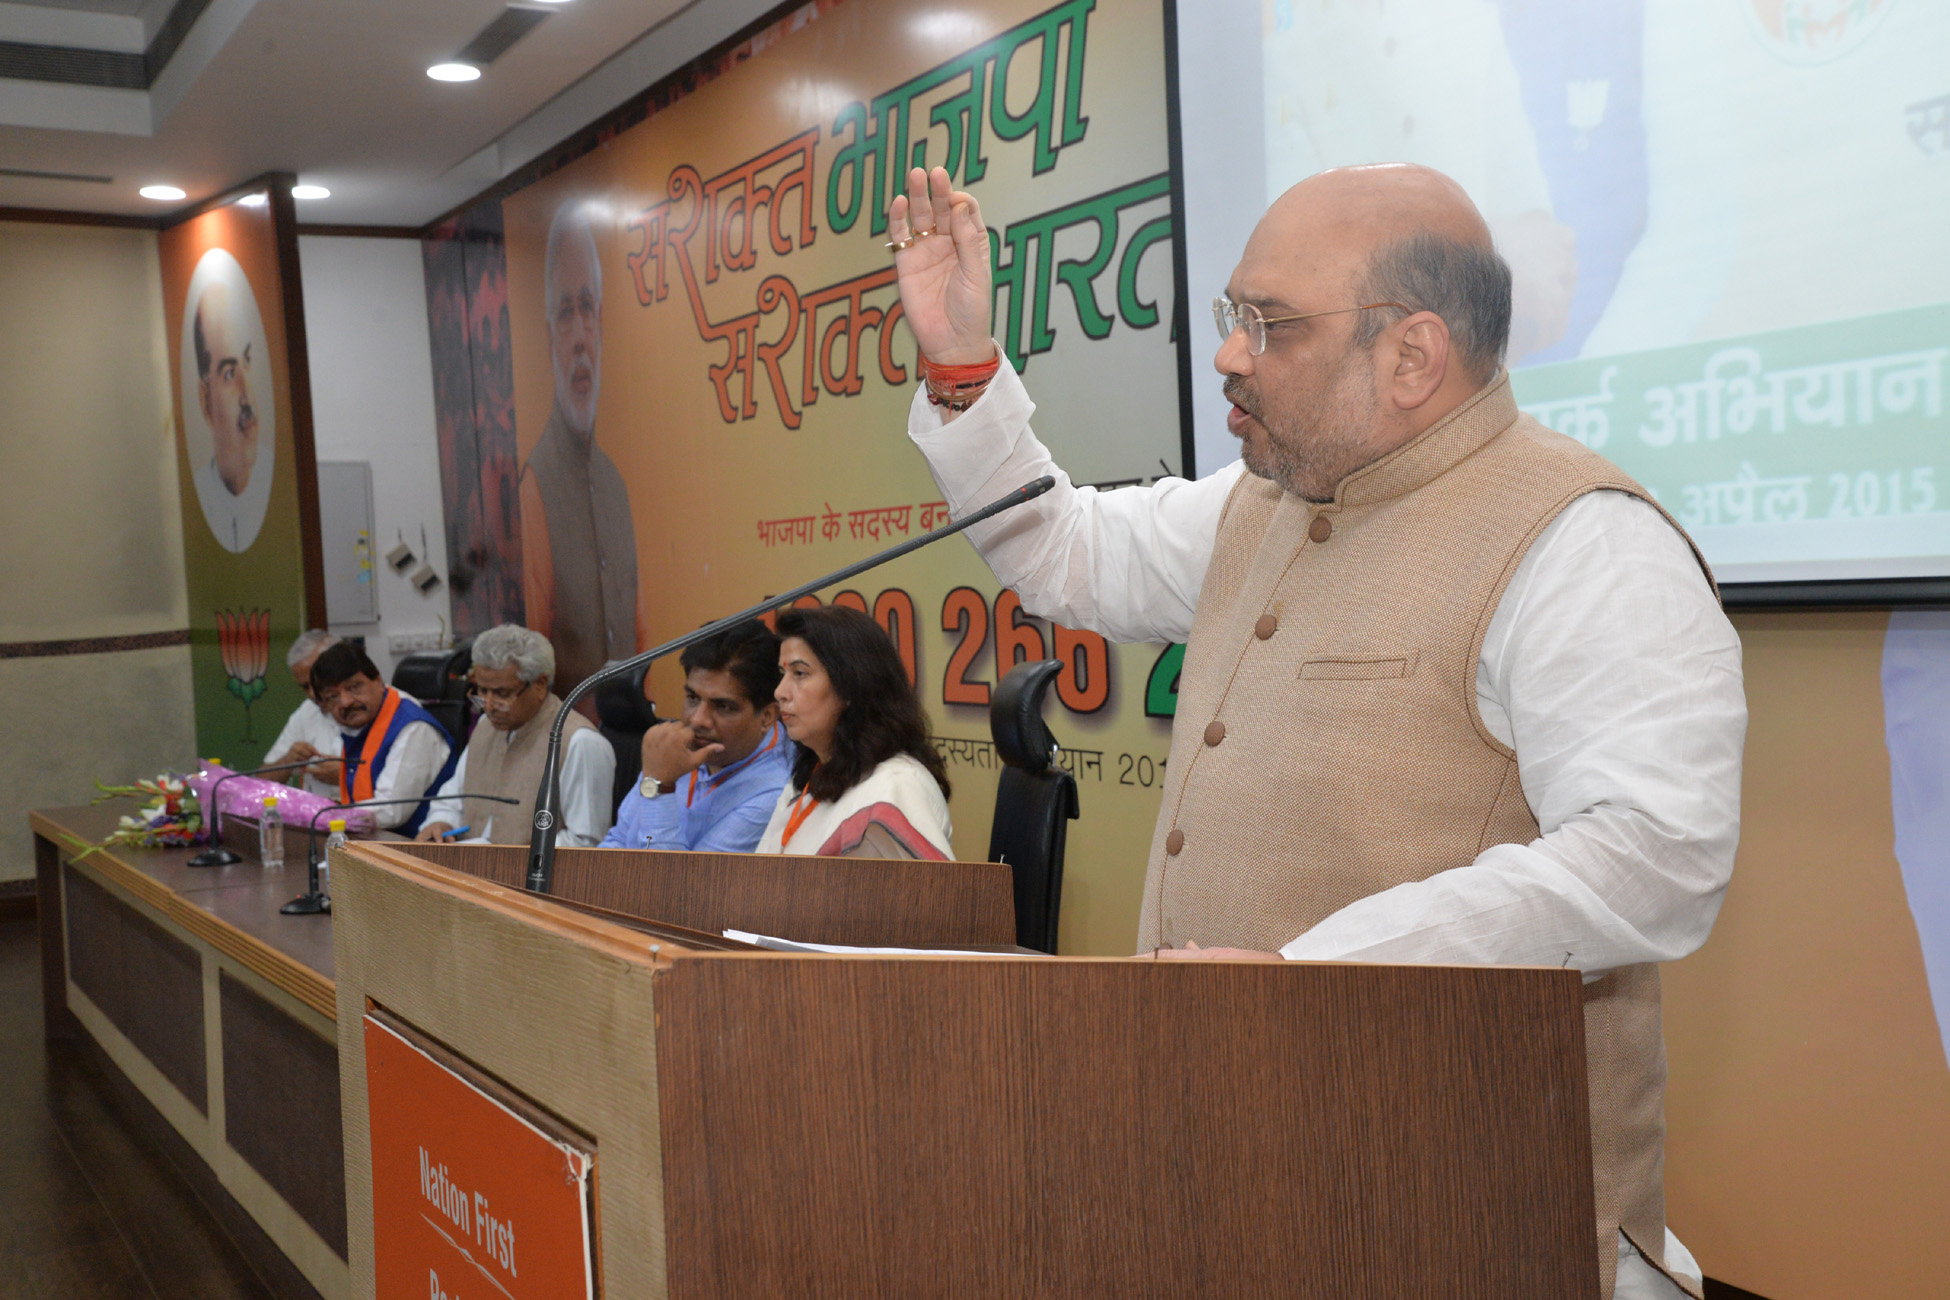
(217, 855)
(548, 798)
(312, 900)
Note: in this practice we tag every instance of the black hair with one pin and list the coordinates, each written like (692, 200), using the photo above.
(337, 664)
(748, 650)
(1466, 284)
(196, 341)
(880, 715)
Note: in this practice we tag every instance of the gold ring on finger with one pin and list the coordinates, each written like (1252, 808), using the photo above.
(923, 234)
(901, 245)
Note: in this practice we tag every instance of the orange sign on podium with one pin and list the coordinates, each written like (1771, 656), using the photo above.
(471, 1199)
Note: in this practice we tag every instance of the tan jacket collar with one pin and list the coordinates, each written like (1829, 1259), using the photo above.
(1433, 452)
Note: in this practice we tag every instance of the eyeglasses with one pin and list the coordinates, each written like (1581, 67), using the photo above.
(1229, 316)
(486, 695)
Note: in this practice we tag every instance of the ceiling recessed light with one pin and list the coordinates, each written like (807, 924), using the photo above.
(162, 193)
(454, 72)
(310, 192)
(256, 200)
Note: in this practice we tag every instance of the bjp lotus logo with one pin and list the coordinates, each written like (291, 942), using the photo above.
(245, 641)
(1814, 31)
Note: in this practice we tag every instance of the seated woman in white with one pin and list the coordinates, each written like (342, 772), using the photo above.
(867, 782)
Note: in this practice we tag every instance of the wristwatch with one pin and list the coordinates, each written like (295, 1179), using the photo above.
(650, 787)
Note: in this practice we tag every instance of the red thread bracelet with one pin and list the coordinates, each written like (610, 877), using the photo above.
(980, 372)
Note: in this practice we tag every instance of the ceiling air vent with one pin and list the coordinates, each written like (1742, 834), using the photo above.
(509, 26)
(78, 67)
(26, 173)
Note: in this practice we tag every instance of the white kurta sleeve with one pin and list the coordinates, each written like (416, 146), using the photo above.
(295, 730)
(1612, 671)
(1127, 563)
(588, 780)
(445, 807)
(418, 754)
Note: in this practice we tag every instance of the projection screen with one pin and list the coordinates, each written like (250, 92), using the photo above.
(1726, 222)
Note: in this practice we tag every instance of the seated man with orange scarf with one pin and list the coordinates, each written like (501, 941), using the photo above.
(393, 748)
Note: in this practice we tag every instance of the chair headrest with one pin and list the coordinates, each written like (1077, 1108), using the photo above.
(1016, 715)
(621, 706)
(435, 674)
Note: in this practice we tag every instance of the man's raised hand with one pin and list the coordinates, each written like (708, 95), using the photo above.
(944, 276)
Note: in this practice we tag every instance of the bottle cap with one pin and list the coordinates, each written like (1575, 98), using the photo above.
(337, 823)
(270, 801)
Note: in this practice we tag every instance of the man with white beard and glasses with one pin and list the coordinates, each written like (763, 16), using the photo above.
(1455, 690)
(578, 540)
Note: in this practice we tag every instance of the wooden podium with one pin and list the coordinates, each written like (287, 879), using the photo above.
(773, 1124)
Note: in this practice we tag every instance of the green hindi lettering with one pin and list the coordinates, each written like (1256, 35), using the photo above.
(877, 152)
(1032, 269)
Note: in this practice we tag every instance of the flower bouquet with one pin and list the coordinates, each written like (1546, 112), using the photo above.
(170, 820)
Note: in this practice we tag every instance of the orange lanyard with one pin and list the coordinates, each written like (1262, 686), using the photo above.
(361, 786)
(692, 792)
(802, 808)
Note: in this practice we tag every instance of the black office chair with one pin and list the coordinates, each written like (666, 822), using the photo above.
(623, 714)
(1035, 800)
(438, 680)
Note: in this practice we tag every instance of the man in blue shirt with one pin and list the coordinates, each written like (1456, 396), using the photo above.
(710, 781)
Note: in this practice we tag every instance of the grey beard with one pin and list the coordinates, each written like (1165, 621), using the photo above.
(1301, 474)
(1310, 466)
(565, 406)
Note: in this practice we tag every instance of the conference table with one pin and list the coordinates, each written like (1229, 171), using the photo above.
(214, 1016)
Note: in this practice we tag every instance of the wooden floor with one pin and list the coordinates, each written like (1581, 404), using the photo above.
(86, 1209)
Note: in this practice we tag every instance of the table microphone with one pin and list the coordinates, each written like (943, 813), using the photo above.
(312, 901)
(217, 855)
(548, 799)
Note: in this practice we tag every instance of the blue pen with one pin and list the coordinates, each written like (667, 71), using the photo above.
(457, 832)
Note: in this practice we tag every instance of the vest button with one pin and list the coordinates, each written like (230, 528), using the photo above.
(1174, 842)
(1215, 732)
(1321, 528)
(1268, 624)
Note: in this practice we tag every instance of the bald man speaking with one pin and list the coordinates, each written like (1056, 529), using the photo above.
(1455, 689)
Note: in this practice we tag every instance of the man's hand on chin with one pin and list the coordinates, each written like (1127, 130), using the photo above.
(1192, 951)
(668, 754)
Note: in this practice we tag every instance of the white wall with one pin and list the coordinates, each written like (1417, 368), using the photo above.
(372, 400)
(91, 535)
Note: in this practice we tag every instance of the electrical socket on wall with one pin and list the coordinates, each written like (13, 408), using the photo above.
(406, 643)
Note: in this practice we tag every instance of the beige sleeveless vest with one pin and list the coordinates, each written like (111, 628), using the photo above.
(510, 763)
(1327, 744)
(592, 544)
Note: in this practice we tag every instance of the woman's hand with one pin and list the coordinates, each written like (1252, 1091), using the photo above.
(944, 277)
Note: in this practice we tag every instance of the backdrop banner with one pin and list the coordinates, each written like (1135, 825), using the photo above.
(709, 378)
(240, 462)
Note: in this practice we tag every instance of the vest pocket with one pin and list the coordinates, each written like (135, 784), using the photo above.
(1346, 668)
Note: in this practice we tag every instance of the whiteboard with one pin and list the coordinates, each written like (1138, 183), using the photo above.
(345, 525)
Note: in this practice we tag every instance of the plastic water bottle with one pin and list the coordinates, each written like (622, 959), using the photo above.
(332, 841)
(270, 835)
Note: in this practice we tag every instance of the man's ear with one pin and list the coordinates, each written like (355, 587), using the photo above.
(203, 400)
(769, 714)
(1421, 360)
